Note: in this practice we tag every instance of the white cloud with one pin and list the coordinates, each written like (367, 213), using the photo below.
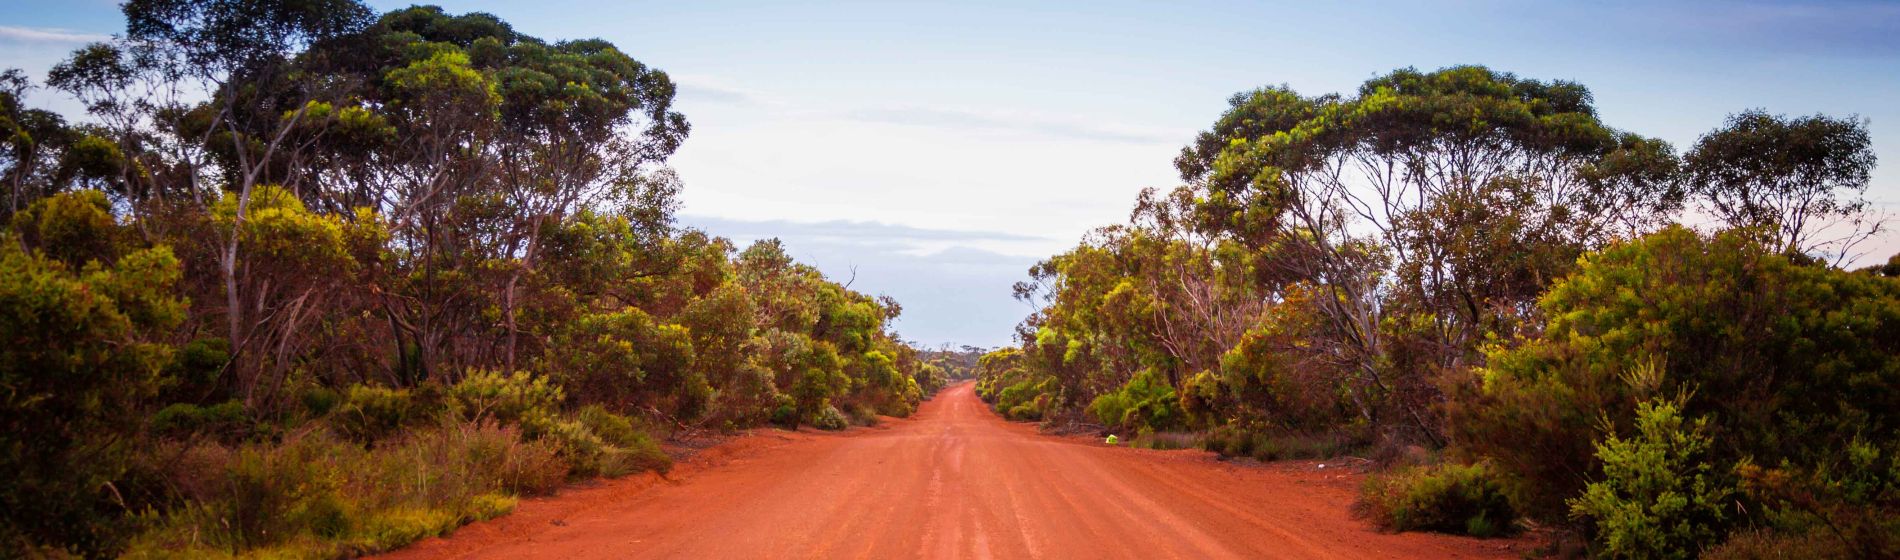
(18, 34)
(698, 88)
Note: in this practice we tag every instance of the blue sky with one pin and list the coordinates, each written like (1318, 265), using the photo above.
(936, 150)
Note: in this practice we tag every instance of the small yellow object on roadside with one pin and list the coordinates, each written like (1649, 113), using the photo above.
(1111, 439)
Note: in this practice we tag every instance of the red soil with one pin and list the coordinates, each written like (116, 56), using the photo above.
(953, 481)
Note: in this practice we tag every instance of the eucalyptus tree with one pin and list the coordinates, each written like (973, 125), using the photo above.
(1430, 206)
(40, 153)
(495, 138)
(211, 89)
(1799, 181)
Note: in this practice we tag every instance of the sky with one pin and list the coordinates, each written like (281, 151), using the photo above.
(934, 151)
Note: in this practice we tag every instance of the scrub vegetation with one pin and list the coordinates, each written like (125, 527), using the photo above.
(313, 281)
(1469, 278)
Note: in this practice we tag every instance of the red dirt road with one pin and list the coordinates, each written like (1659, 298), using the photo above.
(953, 481)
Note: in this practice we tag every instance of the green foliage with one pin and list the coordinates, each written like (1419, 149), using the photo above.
(79, 365)
(1788, 179)
(285, 235)
(316, 496)
(227, 420)
(74, 228)
(193, 374)
(1013, 389)
(1274, 445)
(1659, 497)
(504, 398)
(633, 450)
(419, 244)
(1145, 403)
(829, 418)
(579, 447)
(620, 359)
(373, 413)
(1849, 501)
(1785, 360)
(1449, 498)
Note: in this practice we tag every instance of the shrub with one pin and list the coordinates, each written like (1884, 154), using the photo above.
(1778, 545)
(372, 413)
(862, 415)
(401, 526)
(632, 449)
(1658, 497)
(785, 411)
(627, 359)
(267, 495)
(76, 364)
(1788, 361)
(829, 418)
(225, 421)
(580, 447)
(532, 468)
(505, 398)
(192, 376)
(317, 496)
(1852, 499)
(1233, 441)
(1028, 399)
(320, 401)
(1449, 498)
(1145, 402)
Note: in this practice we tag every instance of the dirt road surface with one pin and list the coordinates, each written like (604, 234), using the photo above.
(952, 481)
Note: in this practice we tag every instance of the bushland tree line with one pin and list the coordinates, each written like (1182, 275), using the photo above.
(315, 280)
(1470, 276)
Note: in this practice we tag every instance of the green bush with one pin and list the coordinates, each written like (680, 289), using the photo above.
(829, 418)
(1449, 498)
(1786, 360)
(193, 373)
(1028, 399)
(1851, 499)
(1659, 498)
(632, 449)
(1233, 441)
(78, 368)
(1145, 402)
(225, 421)
(579, 446)
(785, 411)
(506, 398)
(316, 496)
(372, 413)
(266, 495)
(626, 360)
(320, 401)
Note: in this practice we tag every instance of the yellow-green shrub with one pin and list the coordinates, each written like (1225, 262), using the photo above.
(632, 449)
(318, 496)
(1145, 402)
(1659, 498)
(371, 413)
(505, 398)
